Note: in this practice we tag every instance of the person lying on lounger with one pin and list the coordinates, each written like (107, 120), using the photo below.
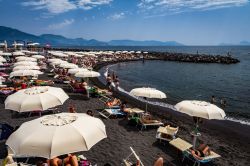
(115, 102)
(202, 151)
(70, 160)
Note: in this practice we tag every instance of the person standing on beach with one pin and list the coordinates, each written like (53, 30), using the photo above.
(116, 81)
(213, 100)
(109, 81)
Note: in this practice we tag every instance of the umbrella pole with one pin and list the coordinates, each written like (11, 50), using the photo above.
(196, 132)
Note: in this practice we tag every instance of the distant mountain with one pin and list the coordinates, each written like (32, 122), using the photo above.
(11, 34)
(143, 43)
(245, 43)
(242, 43)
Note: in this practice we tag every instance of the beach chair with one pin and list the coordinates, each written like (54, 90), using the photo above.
(128, 161)
(206, 159)
(144, 124)
(110, 112)
(166, 133)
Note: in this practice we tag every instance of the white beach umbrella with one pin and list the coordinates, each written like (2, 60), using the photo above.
(68, 66)
(87, 74)
(2, 59)
(25, 63)
(1, 63)
(28, 59)
(58, 62)
(36, 98)
(19, 73)
(54, 135)
(18, 53)
(148, 93)
(6, 54)
(201, 109)
(38, 56)
(76, 70)
(26, 68)
(54, 60)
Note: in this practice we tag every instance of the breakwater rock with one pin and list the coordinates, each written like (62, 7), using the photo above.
(194, 58)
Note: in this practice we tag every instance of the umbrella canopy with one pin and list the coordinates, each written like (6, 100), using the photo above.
(87, 74)
(26, 68)
(58, 134)
(25, 63)
(6, 54)
(200, 109)
(58, 62)
(29, 59)
(18, 53)
(36, 98)
(68, 66)
(2, 59)
(76, 70)
(148, 93)
(54, 60)
(38, 56)
(25, 73)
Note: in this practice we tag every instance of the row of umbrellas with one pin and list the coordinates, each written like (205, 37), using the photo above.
(42, 137)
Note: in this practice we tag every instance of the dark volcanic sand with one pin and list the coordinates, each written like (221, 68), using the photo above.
(230, 140)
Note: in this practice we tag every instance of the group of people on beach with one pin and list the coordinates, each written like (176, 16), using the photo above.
(223, 102)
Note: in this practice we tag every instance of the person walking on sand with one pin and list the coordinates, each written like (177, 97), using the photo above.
(109, 81)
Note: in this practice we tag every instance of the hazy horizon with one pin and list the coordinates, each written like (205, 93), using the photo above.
(194, 22)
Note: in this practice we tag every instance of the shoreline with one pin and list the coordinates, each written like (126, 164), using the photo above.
(229, 133)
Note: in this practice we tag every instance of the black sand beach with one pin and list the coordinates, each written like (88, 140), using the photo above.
(230, 140)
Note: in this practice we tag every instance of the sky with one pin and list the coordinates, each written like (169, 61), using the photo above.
(190, 22)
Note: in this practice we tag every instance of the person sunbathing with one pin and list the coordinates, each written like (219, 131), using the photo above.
(159, 162)
(72, 109)
(70, 160)
(115, 102)
(202, 151)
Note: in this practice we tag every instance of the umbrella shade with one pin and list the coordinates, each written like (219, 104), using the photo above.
(68, 66)
(87, 74)
(200, 109)
(6, 54)
(25, 63)
(26, 68)
(25, 73)
(76, 70)
(148, 93)
(55, 135)
(36, 98)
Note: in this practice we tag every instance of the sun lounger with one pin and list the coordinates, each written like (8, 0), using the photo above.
(206, 159)
(145, 124)
(127, 161)
(166, 133)
(108, 113)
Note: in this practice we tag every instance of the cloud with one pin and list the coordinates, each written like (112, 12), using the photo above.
(61, 6)
(117, 16)
(61, 24)
(89, 4)
(161, 7)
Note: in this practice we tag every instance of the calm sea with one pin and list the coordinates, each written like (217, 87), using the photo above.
(188, 81)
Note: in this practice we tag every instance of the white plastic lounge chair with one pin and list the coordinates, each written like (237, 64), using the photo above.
(166, 133)
(145, 125)
(127, 161)
(110, 112)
